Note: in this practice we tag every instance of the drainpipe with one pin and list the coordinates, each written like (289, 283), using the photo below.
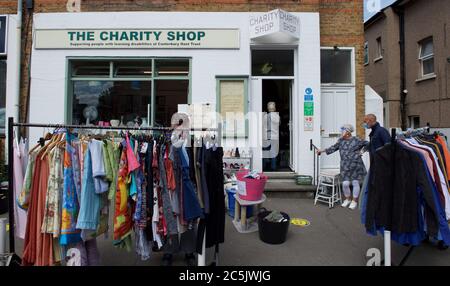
(401, 14)
(19, 59)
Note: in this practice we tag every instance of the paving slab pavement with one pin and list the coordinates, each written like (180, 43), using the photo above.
(335, 238)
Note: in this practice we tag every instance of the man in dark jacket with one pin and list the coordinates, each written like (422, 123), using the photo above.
(379, 135)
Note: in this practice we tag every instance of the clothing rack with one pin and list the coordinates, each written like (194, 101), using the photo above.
(387, 234)
(12, 124)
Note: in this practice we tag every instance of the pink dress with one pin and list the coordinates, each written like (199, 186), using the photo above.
(20, 215)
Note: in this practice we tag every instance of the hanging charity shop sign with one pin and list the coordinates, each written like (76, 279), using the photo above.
(308, 109)
(276, 26)
(3, 34)
(137, 39)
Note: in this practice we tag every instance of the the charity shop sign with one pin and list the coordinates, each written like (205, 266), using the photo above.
(275, 22)
(138, 39)
(3, 34)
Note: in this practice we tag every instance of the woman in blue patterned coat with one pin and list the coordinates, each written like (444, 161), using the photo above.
(352, 169)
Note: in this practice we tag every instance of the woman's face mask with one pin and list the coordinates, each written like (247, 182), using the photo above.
(344, 133)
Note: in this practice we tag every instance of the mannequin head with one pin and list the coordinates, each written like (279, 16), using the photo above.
(271, 107)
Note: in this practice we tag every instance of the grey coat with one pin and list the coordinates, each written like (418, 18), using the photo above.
(352, 167)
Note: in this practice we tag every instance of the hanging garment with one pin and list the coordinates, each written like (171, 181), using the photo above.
(438, 175)
(198, 184)
(98, 167)
(201, 161)
(148, 172)
(401, 190)
(133, 164)
(192, 209)
(52, 218)
(88, 216)
(122, 211)
(168, 213)
(20, 215)
(24, 196)
(114, 158)
(171, 184)
(70, 205)
(38, 246)
(444, 146)
(214, 222)
(437, 149)
(140, 216)
(175, 193)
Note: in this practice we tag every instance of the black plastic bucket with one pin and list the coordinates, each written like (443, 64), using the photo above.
(273, 232)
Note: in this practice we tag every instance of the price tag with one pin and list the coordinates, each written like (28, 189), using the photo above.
(144, 147)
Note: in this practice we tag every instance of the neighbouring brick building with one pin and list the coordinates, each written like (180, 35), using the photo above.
(314, 69)
(408, 62)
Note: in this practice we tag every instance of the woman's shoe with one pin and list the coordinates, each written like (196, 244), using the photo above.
(353, 205)
(346, 203)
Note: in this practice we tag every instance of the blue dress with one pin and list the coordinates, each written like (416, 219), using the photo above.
(351, 167)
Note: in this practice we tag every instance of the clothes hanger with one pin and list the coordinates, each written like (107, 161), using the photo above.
(47, 149)
(41, 142)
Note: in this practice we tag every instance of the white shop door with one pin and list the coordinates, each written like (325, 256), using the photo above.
(338, 108)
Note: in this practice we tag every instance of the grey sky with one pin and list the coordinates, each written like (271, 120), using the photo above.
(371, 7)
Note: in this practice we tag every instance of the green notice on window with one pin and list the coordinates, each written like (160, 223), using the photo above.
(309, 109)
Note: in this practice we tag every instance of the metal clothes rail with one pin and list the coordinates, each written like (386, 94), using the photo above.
(12, 124)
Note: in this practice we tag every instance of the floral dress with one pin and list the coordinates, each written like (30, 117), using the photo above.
(351, 167)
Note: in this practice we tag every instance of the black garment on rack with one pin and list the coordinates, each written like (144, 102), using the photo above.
(190, 153)
(149, 190)
(393, 200)
(214, 221)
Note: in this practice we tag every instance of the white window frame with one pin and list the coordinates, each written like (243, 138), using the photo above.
(366, 53)
(426, 57)
(353, 75)
(379, 54)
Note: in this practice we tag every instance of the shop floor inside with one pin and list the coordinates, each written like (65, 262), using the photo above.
(334, 237)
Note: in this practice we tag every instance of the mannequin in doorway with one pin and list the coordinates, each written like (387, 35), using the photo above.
(271, 126)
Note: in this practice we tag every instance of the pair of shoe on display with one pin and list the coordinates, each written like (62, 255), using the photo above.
(350, 204)
(189, 258)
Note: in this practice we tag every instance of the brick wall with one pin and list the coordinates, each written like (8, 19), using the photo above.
(341, 25)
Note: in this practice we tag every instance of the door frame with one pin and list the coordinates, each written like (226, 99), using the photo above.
(255, 105)
(256, 93)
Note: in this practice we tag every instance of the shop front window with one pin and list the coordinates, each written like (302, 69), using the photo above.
(104, 101)
(123, 90)
(336, 66)
(168, 94)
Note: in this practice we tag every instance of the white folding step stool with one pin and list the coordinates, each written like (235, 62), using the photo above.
(328, 178)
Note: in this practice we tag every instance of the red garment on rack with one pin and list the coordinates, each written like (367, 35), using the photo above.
(171, 184)
(38, 246)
